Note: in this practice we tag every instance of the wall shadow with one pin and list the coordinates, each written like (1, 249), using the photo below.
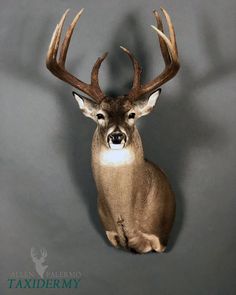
(175, 128)
(76, 130)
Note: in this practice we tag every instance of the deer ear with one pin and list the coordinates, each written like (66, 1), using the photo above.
(145, 106)
(79, 99)
(153, 98)
(87, 106)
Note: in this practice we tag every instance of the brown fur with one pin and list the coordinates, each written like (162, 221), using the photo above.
(135, 202)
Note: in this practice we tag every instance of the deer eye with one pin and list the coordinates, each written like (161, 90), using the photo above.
(100, 117)
(131, 116)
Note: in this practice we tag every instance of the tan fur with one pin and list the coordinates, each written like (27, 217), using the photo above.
(135, 201)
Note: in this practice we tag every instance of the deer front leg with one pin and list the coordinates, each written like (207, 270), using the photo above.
(113, 238)
(143, 243)
(108, 224)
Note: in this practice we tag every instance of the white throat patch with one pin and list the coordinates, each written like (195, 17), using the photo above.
(111, 157)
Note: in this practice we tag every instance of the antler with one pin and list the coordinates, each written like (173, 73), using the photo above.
(43, 253)
(33, 253)
(57, 66)
(170, 55)
(168, 49)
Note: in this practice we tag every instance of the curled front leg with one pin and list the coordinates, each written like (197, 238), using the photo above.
(144, 243)
(113, 238)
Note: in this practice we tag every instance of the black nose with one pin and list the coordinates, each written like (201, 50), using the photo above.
(116, 137)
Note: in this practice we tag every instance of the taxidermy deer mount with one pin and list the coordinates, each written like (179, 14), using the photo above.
(135, 202)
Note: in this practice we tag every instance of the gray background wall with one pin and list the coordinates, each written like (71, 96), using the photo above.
(48, 196)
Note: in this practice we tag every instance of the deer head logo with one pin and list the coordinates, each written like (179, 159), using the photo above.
(39, 260)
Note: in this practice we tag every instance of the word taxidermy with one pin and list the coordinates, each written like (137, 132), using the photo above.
(135, 202)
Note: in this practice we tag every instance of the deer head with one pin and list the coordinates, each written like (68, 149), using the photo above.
(40, 268)
(115, 117)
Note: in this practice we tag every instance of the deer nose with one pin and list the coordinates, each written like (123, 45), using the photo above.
(117, 137)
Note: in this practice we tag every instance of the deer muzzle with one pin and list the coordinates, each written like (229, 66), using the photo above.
(116, 140)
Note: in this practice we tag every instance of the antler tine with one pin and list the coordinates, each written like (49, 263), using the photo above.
(66, 42)
(57, 67)
(54, 44)
(171, 30)
(137, 73)
(163, 46)
(95, 70)
(167, 42)
(43, 252)
(32, 253)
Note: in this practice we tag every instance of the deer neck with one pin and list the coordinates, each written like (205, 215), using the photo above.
(118, 171)
(118, 174)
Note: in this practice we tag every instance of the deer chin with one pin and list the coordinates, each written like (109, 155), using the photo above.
(116, 157)
(119, 146)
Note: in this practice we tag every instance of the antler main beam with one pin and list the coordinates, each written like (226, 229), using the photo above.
(170, 55)
(57, 65)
